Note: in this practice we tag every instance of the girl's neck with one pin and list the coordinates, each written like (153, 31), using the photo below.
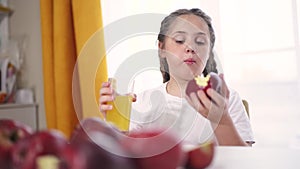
(176, 87)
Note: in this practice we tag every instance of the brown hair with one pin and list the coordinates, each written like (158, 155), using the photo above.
(211, 65)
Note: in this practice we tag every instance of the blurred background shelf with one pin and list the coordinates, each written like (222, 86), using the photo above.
(4, 12)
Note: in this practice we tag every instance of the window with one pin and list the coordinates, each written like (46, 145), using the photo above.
(261, 59)
(258, 40)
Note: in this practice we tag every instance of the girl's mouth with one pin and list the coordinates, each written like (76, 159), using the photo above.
(189, 61)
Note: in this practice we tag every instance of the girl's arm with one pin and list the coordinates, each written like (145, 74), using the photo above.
(214, 106)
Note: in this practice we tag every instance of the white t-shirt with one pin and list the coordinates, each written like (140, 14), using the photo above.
(157, 108)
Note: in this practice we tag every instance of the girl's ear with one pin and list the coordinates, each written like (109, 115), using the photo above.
(160, 45)
(160, 49)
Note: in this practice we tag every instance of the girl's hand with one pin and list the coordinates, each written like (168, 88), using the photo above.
(107, 94)
(213, 106)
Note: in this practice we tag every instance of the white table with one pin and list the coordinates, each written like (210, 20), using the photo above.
(255, 158)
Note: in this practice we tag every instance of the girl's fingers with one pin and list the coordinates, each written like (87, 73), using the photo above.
(106, 95)
(105, 84)
(196, 103)
(215, 97)
(218, 105)
(106, 98)
(133, 96)
(105, 107)
(211, 105)
(105, 90)
(204, 99)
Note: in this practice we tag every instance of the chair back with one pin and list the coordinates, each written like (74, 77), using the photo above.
(246, 105)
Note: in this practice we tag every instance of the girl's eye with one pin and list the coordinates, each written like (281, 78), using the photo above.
(199, 41)
(179, 41)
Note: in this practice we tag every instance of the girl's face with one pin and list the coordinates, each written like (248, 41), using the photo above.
(186, 47)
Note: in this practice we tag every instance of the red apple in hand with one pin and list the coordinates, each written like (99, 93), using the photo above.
(154, 148)
(100, 143)
(212, 80)
(11, 131)
(199, 157)
(45, 149)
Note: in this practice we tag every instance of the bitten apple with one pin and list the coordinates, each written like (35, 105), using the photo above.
(154, 148)
(11, 131)
(201, 156)
(100, 143)
(212, 80)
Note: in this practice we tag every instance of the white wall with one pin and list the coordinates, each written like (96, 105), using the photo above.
(25, 21)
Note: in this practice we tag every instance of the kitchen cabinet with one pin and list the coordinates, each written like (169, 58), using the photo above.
(25, 113)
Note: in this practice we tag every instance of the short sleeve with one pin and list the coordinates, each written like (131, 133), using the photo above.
(239, 116)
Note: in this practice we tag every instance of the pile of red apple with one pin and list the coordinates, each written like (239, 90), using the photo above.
(94, 144)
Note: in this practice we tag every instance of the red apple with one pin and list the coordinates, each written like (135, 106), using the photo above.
(100, 142)
(11, 131)
(212, 80)
(201, 156)
(96, 124)
(72, 158)
(48, 148)
(154, 148)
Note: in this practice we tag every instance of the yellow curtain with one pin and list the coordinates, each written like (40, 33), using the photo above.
(90, 46)
(66, 26)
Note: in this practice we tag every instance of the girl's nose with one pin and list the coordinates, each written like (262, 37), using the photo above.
(189, 50)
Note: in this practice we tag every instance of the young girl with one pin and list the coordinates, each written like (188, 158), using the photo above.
(186, 41)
